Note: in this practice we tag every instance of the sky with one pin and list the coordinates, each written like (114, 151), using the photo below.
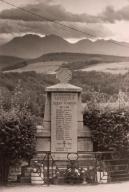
(106, 19)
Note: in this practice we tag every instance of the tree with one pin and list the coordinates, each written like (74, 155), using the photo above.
(17, 139)
(17, 129)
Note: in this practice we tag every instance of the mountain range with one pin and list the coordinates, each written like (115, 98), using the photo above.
(32, 46)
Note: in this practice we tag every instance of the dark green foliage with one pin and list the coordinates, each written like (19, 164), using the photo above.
(89, 81)
(98, 81)
(17, 130)
(32, 89)
(109, 130)
(70, 57)
(17, 139)
(96, 86)
(17, 135)
(10, 62)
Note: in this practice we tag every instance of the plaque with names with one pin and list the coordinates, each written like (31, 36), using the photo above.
(64, 122)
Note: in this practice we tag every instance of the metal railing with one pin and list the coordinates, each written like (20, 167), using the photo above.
(82, 167)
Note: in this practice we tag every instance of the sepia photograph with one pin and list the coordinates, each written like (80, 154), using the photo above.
(64, 95)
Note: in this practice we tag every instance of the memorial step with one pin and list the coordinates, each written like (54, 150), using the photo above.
(119, 176)
(120, 179)
(25, 179)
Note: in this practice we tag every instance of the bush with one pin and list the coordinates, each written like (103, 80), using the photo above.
(17, 139)
(109, 130)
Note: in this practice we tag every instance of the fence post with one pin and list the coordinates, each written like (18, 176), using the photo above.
(4, 170)
(48, 169)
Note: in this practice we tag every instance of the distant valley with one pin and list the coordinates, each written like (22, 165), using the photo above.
(49, 63)
(47, 54)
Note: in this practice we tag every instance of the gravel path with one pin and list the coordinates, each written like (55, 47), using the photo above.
(117, 187)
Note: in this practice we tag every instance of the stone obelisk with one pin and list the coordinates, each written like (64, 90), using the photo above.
(63, 129)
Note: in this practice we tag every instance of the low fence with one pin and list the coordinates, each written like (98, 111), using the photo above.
(72, 168)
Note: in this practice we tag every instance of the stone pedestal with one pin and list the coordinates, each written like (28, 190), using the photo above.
(63, 130)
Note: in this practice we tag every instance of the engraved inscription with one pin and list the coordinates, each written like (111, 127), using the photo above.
(64, 122)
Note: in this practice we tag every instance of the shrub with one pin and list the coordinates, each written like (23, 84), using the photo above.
(109, 130)
(17, 139)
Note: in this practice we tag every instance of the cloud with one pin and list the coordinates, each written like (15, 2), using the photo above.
(46, 10)
(14, 21)
(15, 26)
(12, 27)
(111, 15)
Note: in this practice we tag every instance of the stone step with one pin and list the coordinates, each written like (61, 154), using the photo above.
(120, 179)
(25, 179)
(119, 175)
(119, 171)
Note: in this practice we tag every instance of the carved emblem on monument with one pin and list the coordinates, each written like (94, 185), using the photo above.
(64, 75)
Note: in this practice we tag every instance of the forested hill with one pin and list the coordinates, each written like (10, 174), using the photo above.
(33, 86)
(104, 82)
(74, 60)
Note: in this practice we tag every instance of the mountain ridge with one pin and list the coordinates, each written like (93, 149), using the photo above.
(33, 46)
